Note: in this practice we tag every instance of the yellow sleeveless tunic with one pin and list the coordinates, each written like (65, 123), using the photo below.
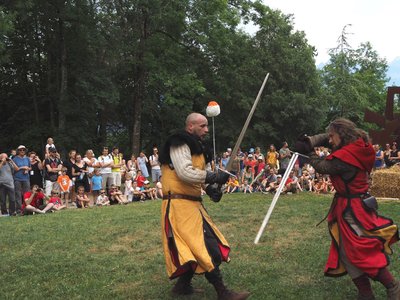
(182, 226)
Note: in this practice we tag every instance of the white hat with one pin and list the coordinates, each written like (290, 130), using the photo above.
(146, 182)
(250, 155)
(260, 157)
(21, 147)
(279, 176)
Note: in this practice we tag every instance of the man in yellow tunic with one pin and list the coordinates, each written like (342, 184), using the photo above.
(192, 243)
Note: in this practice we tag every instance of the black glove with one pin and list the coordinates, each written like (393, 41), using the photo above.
(220, 177)
(214, 191)
(303, 145)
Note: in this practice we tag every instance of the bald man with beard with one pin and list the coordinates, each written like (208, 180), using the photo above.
(192, 242)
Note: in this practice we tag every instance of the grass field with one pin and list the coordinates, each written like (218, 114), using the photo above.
(116, 253)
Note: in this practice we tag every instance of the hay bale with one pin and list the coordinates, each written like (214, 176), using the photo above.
(386, 182)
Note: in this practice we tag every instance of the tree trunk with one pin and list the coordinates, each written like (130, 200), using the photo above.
(63, 78)
(139, 89)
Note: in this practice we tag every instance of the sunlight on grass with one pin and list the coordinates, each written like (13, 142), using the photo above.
(116, 252)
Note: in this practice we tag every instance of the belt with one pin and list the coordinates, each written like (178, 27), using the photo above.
(180, 196)
(360, 195)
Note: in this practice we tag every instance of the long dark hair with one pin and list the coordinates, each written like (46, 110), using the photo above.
(347, 131)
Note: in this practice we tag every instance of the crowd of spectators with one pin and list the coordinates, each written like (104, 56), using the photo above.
(33, 185)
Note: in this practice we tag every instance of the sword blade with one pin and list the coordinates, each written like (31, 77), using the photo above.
(246, 124)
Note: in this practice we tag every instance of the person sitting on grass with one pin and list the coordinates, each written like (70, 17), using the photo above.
(137, 193)
(56, 201)
(116, 196)
(269, 181)
(102, 199)
(232, 185)
(34, 202)
(246, 187)
(319, 185)
(149, 191)
(273, 187)
(82, 199)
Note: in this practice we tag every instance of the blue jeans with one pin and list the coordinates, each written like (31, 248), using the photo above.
(21, 187)
(6, 191)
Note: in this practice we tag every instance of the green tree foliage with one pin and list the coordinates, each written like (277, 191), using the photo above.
(96, 72)
(354, 80)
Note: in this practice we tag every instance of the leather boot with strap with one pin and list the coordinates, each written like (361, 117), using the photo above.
(215, 278)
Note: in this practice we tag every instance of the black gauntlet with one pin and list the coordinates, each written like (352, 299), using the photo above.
(213, 177)
(214, 191)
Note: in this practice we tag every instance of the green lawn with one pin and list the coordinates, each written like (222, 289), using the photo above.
(116, 253)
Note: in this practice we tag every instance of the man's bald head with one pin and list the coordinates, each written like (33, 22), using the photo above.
(3, 156)
(197, 125)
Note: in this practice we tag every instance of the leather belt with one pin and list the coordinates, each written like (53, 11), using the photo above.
(181, 196)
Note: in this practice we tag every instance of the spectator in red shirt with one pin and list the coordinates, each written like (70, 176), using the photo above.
(35, 202)
(140, 179)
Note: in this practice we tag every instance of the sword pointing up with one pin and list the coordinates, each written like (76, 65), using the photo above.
(246, 124)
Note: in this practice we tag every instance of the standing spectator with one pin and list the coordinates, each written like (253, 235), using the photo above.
(224, 160)
(116, 166)
(284, 157)
(105, 164)
(35, 175)
(21, 176)
(50, 144)
(132, 166)
(394, 154)
(272, 157)
(65, 184)
(97, 182)
(53, 166)
(155, 166)
(142, 161)
(257, 153)
(68, 163)
(250, 161)
(91, 162)
(128, 192)
(386, 155)
(260, 165)
(379, 158)
(7, 168)
(80, 173)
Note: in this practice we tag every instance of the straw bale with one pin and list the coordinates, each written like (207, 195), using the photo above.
(386, 182)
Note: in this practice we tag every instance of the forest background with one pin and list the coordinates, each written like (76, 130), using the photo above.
(93, 73)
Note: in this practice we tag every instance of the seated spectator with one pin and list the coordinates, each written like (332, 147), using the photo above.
(102, 199)
(34, 202)
(246, 187)
(116, 196)
(247, 175)
(305, 181)
(270, 181)
(82, 199)
(137, 193)
(319, 185)
(150, 192)
(232, 185)
(56, 201)
(65, 184)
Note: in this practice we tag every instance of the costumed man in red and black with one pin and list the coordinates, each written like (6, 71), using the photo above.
(361, 238)
(192, 242)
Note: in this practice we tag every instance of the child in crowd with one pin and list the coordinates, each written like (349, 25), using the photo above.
(116, 196)
(232, 185)
(97, 182)
(149, 191)
(137, 193)
(128, 192)
(65, 184)
(140, 178)
(246, 187)
(50, 144)
(56, 200)
(82, 200)
(102, 199)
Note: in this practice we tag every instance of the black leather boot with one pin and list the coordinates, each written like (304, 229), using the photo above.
(184, 285)
(215, 278)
